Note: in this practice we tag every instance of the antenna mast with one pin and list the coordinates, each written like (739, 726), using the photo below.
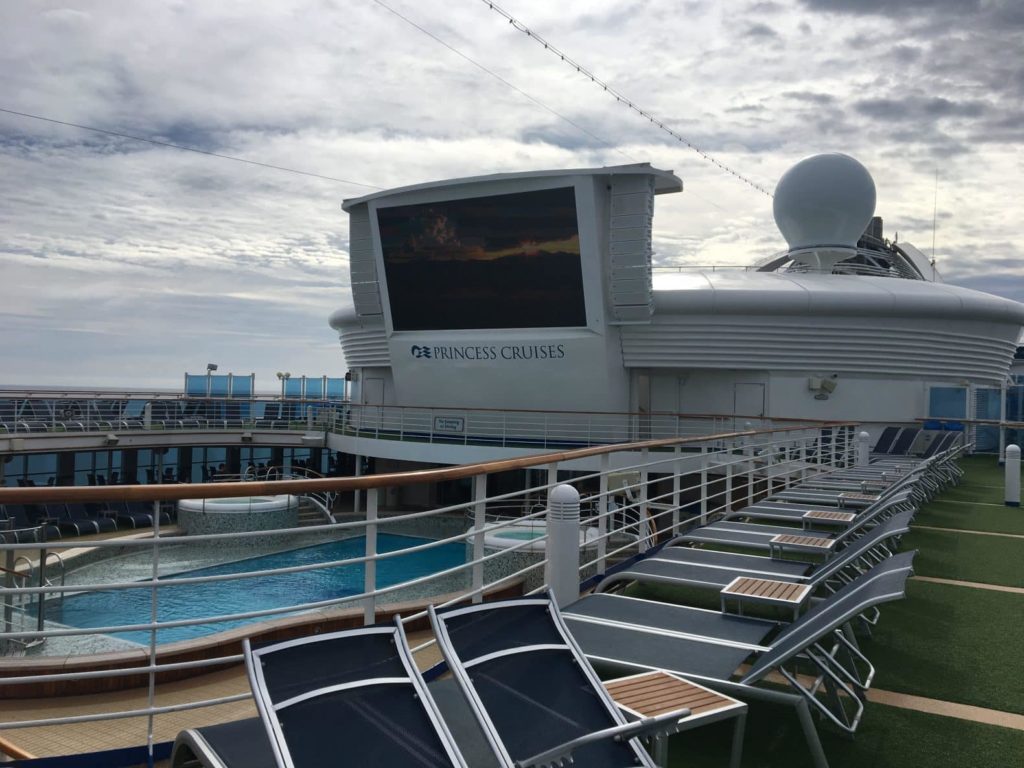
(935, 214)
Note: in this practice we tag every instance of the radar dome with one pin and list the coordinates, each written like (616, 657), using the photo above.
(824, 201)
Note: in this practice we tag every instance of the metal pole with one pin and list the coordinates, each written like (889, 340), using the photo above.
(41, 582)
(9, 570)
(677, 468)
(703, 485)
(479, 521)
(153, 614)
(370, 572)
(643, 529)
(357, 495)
(602, 512)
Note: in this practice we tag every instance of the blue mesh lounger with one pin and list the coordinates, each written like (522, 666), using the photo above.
(352, 698)
(532, 691)
(793, 512)
(629, 635)
(689, 567)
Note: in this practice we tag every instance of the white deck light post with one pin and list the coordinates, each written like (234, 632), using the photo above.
(1013, 475)
(562, 571)
(863, 449)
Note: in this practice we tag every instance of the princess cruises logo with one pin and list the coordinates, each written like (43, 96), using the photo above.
(489, 352)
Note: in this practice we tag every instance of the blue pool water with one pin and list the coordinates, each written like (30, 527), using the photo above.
(132, 606)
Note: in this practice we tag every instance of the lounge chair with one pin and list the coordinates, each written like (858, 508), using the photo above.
(25, 516)
(904, 442)
(532, 691)
(352, 698)
(703, 568)
(886, 439)
(796, 513)
(137, 514)
(629, 635)
(355, 698)
(818, 537)
(75, 520)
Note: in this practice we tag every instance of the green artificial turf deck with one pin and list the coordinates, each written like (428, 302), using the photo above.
(952, 643)
(888, 737)
(984, 474)
(971, 516)
(967, 556)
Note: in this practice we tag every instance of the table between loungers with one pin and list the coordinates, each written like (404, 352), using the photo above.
(650, 694)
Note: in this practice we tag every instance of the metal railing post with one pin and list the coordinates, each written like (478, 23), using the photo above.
(479, 521)
(370, 572)
(643, 529)
(154, 613)
(41, 582)
(677, 468)
(602, 512)
(357, 495)
(833, 441)
(703, 485)
(9, 569)
(750, 476)
(728, 484)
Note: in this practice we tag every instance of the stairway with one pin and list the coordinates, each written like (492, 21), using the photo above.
(310, 514)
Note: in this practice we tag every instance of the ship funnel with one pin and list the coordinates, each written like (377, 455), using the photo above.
(822, 206)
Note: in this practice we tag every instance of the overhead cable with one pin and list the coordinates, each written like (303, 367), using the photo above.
(620, 98)
(159, 143)
(499, 78)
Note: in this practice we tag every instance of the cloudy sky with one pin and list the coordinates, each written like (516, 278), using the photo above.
(128, 263)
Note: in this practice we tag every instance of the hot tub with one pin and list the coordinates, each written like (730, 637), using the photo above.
(533, 531)
(240, 513)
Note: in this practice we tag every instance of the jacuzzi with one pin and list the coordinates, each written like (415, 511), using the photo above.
(532, 531)
(238, 513)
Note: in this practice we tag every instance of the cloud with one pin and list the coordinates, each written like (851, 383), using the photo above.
(121, 262)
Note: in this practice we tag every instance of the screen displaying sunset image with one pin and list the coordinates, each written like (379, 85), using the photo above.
(504, 261)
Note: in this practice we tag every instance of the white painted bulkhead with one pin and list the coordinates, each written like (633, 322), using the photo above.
(773, 344)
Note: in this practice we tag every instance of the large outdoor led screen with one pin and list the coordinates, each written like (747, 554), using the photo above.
(504, 261)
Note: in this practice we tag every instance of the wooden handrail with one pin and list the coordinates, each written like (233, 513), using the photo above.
(10, 749)
(983, 422)
(677, 414)
(171, 492)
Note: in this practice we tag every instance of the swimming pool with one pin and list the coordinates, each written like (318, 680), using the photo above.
(132, 606)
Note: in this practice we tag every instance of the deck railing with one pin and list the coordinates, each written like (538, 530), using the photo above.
(656, 488)
(32, 412)
(538, 429)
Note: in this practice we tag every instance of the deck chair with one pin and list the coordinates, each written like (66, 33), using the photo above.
(901, 445)
(815, 539)
(532, 691)
(137, 514)
(629, 635)
(354, 695)
(351, 698)
(886, 439)
(708, 569)
(796, 513)
(77, 519)
(689, 567)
